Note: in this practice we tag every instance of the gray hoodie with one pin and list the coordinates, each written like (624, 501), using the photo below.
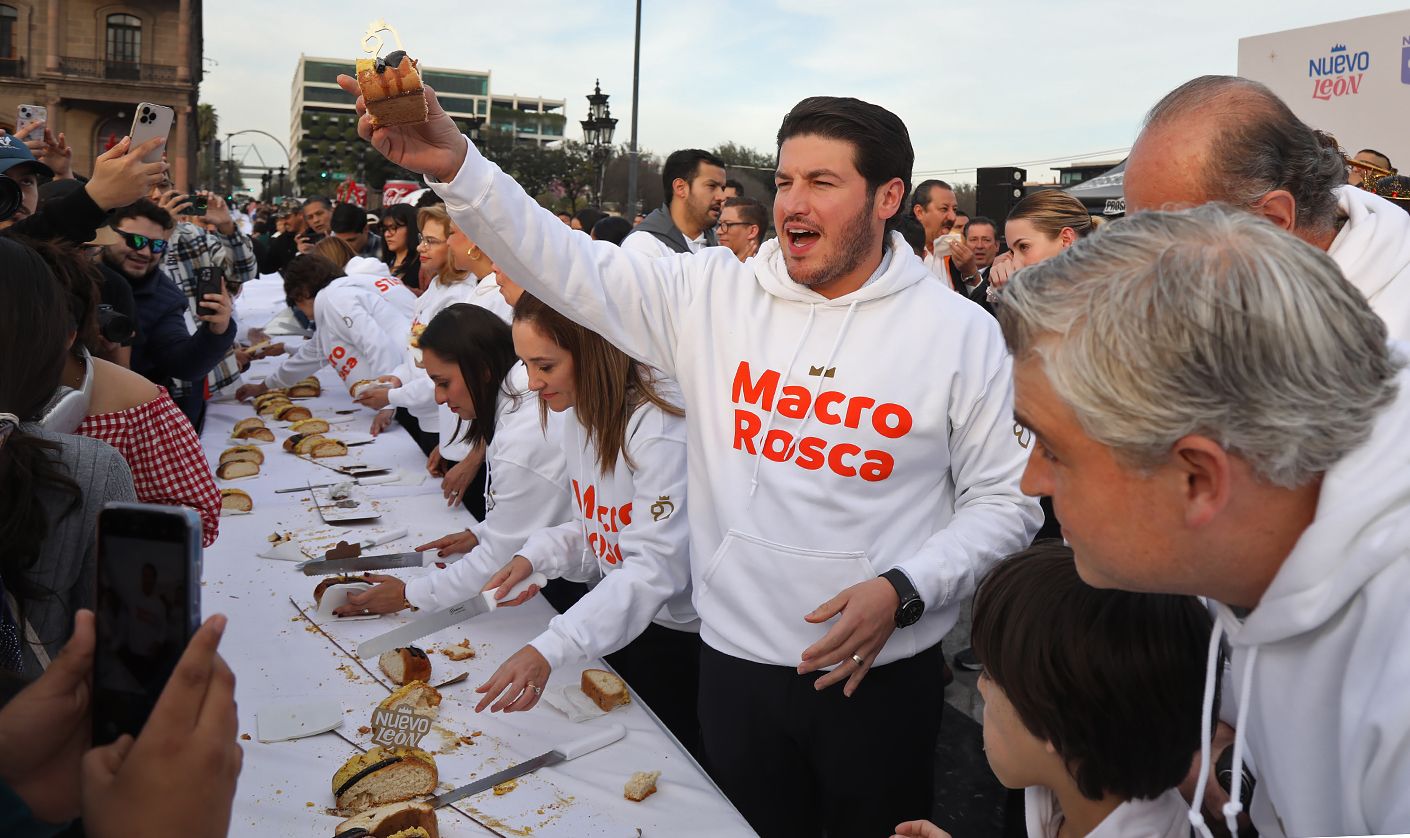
(659, 224)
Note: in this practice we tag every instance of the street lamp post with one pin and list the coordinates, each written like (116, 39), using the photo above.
(597, 133)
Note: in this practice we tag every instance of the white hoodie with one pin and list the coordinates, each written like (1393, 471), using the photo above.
(1373, 250)
(899, 393)
(1320, 669)
(630, 531)
(354, 335)
(369, 273)
(526, 491)
(1163, 817)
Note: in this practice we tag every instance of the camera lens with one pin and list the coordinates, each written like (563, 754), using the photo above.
(10, 197)
(115, 326)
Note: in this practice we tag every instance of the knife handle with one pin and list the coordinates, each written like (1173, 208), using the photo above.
(534, 578)
(593, 741)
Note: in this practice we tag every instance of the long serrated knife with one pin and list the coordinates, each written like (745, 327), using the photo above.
(386, 561)
(437, 620)
(586, 745)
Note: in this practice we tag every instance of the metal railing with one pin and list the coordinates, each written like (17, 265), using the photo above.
(97, 68)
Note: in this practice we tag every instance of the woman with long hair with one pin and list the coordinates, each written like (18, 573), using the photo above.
(51, 485)
(469, 356)
(623, 439)
(1039, 227)
(401, 244)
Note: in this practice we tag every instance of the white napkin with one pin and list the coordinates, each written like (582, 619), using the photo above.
(572, 702)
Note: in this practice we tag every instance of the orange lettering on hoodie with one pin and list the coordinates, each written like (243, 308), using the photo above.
(605, 518)
(830, 408)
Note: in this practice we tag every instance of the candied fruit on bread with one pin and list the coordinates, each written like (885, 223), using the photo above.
(392, 89)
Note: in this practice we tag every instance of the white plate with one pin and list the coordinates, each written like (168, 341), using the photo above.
(281, 722)
(349, 437)
(337, 597)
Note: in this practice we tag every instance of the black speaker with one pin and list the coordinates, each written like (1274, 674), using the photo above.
(996, 190)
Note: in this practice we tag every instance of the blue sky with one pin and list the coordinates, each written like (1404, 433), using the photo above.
(989, 83)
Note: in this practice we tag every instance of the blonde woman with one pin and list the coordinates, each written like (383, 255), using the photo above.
(1039, 227)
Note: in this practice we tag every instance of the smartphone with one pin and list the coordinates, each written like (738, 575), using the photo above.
(150, 121)
(209, 281)
(199, 204)
(148, 606)
(27, 116)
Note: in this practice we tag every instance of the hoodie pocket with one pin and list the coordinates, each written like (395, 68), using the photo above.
(754, 594)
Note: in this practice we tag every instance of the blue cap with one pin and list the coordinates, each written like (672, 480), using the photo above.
(13, 152)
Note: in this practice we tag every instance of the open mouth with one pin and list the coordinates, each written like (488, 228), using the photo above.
(800, 239)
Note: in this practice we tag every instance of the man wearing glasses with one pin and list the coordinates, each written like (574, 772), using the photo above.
(169, 352)
(743, 223)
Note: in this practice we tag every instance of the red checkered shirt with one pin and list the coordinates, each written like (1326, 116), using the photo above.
(164, 453)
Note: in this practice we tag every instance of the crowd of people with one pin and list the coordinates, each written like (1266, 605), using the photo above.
(1157, 455)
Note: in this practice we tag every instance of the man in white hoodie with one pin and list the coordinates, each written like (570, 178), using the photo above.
(1228, 139)
(852, 462)
(1216, 411)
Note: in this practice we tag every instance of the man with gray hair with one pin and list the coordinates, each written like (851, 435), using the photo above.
(1215, 411)
(1229, 139)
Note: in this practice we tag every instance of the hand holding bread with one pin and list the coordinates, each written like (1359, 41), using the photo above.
(387, 597)
(434, 147)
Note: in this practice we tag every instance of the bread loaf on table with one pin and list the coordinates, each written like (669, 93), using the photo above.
(327, 448)
(403, 819)
(260, 433)
(273, 406)
(236, 468)
(307, 388)
(252, 422)
(405, 664)
(292, 413)
(384, 775)
(234, 500)
(248, 453)
(605, 689)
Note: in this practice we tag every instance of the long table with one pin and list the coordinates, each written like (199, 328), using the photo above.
(280, 657)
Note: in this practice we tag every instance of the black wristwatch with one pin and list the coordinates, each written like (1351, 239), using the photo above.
(911, 607)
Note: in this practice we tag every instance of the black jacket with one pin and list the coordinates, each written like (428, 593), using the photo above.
(168, 350)
(73, 218)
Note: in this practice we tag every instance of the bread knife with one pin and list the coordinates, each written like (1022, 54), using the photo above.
(404, 635)
(586, 745)
(325, 567)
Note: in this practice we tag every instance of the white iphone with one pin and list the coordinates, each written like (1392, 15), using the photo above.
(26, 118)
(151, 121)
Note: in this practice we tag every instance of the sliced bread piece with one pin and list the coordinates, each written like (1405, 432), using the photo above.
(237, 468)
(392, 819)
(292, 413)
(405, 664)
(641, 785)
(418, 695)
(328, 448)
(252, 422)
(310, 426)
(605, 689)
(261, 433)
(384, 775)
(248, 453)
(234, 500)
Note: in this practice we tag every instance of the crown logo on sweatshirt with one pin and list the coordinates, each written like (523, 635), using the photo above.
(662, 508)
(828, 373)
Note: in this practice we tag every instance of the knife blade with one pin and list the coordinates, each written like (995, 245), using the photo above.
(586, 745)
(386, 561)
(437, 620)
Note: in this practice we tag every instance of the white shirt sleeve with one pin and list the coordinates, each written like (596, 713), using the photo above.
(655, 563)
(561, 553)
(646, 244)
(636, 302)
(306, 360)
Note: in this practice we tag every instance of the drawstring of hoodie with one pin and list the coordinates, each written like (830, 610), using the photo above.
(769, 425)
(582, 490)
(822, 376)
(1235, 806)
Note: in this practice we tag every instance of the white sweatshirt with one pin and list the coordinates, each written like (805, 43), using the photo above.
(630, 531)
(417, 393)
(899, 394)
(527, 490)
(354, 335)
(375, 276)
(1373, 250)
(1320, 670)
(1163, 817)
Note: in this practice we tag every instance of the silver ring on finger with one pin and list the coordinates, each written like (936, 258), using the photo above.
(857, 659)
(537, 689)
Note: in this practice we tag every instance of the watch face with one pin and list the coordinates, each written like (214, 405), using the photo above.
(910, 612)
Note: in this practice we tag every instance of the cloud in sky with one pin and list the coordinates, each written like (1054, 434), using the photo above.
(978, 84)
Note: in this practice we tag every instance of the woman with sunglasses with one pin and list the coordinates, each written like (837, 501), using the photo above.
(169, 351)
(400, 239)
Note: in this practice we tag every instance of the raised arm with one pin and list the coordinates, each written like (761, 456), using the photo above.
(635, 302)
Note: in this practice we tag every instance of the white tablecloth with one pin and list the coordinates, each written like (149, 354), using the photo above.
(285, 789)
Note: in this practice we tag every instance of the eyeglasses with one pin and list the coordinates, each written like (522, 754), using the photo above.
(723, 226)
(138, 242)
(392, 227)
(427, 241)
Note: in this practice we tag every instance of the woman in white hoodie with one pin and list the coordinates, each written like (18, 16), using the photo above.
(623, 439)
(469, 356)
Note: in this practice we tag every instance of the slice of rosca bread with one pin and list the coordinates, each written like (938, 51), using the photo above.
(382, 776)
(418, 695)
(405, 665)
(236, 468)
(403, 819)
(249, 453)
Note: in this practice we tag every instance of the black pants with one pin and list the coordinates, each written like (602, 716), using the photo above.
(800, 762)
(663, 666)
(425, 440)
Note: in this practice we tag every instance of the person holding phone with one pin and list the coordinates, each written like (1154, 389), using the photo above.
(172, 352)
(51, 485)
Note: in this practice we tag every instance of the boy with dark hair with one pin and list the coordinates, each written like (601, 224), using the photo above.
(1092, 698)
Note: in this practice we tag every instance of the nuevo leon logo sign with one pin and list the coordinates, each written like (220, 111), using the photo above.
(1339, 73)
